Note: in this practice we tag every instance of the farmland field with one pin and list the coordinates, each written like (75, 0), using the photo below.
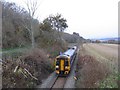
(104, 53)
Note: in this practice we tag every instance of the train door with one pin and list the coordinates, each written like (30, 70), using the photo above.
(62, 66)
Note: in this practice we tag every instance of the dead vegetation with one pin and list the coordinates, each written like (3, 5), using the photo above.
(26, 71)
(90, 72)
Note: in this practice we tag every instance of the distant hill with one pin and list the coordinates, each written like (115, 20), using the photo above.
(106, 39)
(114, 38)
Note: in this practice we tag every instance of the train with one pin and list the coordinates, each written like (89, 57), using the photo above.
(64, 61)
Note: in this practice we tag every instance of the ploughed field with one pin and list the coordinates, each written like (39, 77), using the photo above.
(97, 66)
(105, 49)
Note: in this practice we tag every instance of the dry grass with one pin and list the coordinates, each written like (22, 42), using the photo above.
(102, 55)
(90, 72)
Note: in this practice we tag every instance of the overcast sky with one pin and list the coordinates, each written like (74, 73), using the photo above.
(89, 18)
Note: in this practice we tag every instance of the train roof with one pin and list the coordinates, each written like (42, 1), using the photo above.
(75, 47)
(62, 55)
(69, 52)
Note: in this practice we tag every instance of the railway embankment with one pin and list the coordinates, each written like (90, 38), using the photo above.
(95, 69)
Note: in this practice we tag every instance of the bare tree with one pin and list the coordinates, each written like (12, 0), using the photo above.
(32, 6)
(0, 26)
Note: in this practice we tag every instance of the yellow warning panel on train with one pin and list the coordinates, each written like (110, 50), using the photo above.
(62, 65)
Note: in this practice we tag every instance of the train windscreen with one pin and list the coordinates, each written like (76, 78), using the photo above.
(57, 62)
(66, 63)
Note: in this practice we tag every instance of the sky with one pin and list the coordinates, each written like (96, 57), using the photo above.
(92, 19)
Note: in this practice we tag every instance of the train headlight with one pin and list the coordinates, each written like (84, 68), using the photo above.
(66, 67)
(57, 66)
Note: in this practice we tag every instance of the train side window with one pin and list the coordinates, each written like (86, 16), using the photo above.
(73, 48)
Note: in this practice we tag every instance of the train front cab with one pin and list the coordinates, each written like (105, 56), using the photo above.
(62, 65)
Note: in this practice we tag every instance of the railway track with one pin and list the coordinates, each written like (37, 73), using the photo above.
(54, 81)
(59, 83)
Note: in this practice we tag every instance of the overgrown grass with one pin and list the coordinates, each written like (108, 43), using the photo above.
(110, 81)
(15, 50)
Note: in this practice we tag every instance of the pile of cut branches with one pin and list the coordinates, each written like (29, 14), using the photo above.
(26, 71)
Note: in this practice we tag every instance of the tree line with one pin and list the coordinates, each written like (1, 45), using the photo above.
(20, 28)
